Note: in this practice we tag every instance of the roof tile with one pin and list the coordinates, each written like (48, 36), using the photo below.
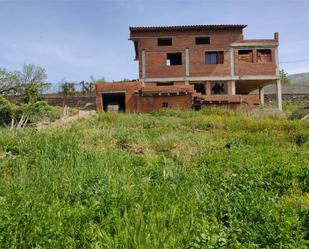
(186, 28)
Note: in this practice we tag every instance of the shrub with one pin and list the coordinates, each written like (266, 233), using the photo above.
(301, 138)
(7, 111)
(34, 112)
(40, 110)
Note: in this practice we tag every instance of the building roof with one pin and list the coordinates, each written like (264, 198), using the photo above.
(187, 28)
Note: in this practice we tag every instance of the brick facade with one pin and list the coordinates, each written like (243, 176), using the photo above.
(226, 65)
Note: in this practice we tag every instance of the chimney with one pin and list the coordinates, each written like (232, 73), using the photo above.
(276, 36)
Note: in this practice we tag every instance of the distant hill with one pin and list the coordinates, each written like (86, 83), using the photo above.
(301, 79)
(299, 84)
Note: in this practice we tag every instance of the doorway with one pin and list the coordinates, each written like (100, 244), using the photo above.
(114, 102)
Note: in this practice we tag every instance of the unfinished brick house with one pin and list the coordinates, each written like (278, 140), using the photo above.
(194, 66)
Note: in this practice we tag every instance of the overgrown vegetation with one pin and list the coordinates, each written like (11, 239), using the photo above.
(209, 179)
(31, 112)
(29, 82)
(26, 86)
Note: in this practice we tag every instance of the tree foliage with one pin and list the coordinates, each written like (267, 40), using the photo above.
(87, 87)
(30, 112)
(9, 83)
(94, 80)
(284, 77)
(30, 82)
(32, 78)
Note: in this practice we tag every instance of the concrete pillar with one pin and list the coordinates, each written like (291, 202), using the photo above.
(233, 86)
(187, 63)
(143, 64)
(279, 94)
(277, 62)
(208, 88)
(232, 61)
(278, 85)
(261, 95)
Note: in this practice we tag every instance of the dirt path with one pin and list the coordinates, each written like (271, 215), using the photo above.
(65, 121)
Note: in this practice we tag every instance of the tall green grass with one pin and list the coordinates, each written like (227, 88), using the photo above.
(209, 179)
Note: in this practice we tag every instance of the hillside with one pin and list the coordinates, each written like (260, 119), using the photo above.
(208, 179)
(299, 84)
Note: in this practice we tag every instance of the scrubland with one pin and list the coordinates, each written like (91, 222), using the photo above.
(209, 179)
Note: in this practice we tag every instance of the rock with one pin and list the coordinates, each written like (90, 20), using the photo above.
(300, 114)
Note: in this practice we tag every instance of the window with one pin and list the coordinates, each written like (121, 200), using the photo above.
(200, 87)
(218, 87)
(202, 40)
(264, 55)
(164, 41)
(214, 57)
(245, 55)
(173, 59)
(165, 83)
(165, 104)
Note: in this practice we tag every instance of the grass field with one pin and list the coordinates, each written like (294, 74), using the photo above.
(208, 179)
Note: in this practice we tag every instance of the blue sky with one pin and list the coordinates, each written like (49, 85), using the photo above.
(76, 39)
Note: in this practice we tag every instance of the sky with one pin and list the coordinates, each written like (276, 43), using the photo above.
(73, 39)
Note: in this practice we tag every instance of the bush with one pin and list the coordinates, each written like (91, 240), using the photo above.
(7, 111)
(35, 112)
(40, 110)
(301, 138)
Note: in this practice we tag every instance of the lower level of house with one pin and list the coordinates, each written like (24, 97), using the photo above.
(136, 96)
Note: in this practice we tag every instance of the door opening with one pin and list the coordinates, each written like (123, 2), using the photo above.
(114, 102)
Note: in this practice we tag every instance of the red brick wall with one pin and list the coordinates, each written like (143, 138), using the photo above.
(199, 68)
(136, 103)
(156, 55)
(150, 104)
(128, 87)
(255, 68)
(156, 66)
(219, 41)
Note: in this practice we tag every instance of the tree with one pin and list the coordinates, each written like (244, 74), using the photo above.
(34, 75)
(125, 80)
(67, 88)
(9, 83)
(284, 77)
(87, 87)
(32, 93)
(32, 81)
(93, 80)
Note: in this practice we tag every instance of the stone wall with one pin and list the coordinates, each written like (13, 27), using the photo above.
(80, 102)
(295, 98)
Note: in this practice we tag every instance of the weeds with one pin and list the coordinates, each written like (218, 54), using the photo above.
(209, 179)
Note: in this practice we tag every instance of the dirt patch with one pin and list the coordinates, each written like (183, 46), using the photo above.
(65, 121)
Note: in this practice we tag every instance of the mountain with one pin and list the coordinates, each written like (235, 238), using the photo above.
(301, 79)
(299, 84)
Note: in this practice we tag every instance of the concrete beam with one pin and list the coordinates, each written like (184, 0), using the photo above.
(257, 77)
(112, 91)
(254, 44)
(187, 63)
(261, 95)
(213, 78)
(279, 94)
